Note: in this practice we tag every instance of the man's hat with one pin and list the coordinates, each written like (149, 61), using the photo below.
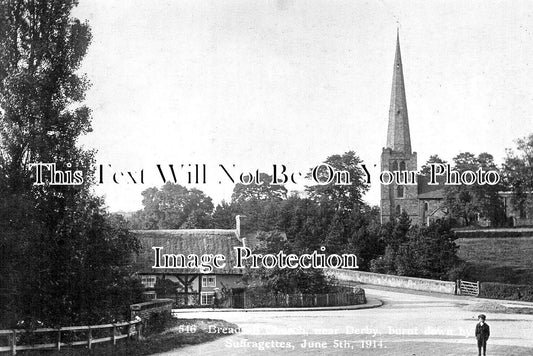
(481, 316)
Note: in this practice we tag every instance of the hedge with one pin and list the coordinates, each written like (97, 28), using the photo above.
(493, 233)
(506, 291)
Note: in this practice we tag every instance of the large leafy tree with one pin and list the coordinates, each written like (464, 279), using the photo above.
(259, 203)
(174, 207)
(518, 172)
(428, 251)
(343, 197)
(466, 201)
(306, 222)
(426, 169)
(285, 280)
(224, 215)
(63, 260)
(263, 190)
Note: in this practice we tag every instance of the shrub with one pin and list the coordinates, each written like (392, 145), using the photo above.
(506, 291)
(157, 322)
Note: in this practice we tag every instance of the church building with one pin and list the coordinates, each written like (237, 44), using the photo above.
(422, 202)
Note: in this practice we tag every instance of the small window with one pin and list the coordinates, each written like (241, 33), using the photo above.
(522, 213)
(402, 166)
(394, 166)
(207, 298)
(209, 281)
(426, 206)
(399, 191)
(148, 281)
(398, 210)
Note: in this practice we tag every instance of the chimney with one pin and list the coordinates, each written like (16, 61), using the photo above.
(238, 226)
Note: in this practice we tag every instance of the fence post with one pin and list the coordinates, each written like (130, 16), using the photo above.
(138, 327)
(327, 299)
(14, 343)
(59, 339)
(129, 330)
(114, 334)
(89, 337)
(478, 288)
(287, 296)
(316, 301)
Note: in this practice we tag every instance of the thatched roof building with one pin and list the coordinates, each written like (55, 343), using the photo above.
(185, 242)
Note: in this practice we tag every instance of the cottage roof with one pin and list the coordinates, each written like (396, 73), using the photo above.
(185, 242)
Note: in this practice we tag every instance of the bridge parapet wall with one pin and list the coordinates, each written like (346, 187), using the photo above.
(423, 284)
(146, 309)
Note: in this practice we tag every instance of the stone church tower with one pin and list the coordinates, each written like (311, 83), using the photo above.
(397, 155)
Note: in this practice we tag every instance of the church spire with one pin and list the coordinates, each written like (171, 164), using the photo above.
(398, 137)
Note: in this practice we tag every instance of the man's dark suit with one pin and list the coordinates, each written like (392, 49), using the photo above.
(482, 335)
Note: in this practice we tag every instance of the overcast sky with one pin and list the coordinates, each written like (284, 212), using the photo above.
(253, 83)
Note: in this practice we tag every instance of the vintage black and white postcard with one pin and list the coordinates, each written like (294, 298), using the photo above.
(237, 177)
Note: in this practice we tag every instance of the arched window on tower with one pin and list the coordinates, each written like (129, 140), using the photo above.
(399, 191)
(398, 210)
(426, 206)
(394, 166)
(402, 166)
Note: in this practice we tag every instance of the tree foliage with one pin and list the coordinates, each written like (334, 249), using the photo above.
(265, 190)
(285, 280)
(518, 172)
(174, 207)
(427, 252)
(466, 202)
(224, 215)
(343, 197)
(62, 258)
(432, 159)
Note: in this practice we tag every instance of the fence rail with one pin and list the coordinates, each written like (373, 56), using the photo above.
(133, 328)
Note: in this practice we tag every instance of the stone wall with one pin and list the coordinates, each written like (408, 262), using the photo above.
(433, 204)
(146, 309)
(428, 285)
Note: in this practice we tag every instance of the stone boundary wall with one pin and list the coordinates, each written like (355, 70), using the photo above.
(423, 284)
(146, 309)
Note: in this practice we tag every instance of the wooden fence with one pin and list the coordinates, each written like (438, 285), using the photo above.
(57, 338)
(260, 299)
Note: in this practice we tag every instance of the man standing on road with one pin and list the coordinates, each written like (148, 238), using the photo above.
(482, 334)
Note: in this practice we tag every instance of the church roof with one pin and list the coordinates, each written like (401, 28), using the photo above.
(426, 191)
(185, 242)
(398, 137)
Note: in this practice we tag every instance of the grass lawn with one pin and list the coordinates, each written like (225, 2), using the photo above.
(504, 260)
(180, 332)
